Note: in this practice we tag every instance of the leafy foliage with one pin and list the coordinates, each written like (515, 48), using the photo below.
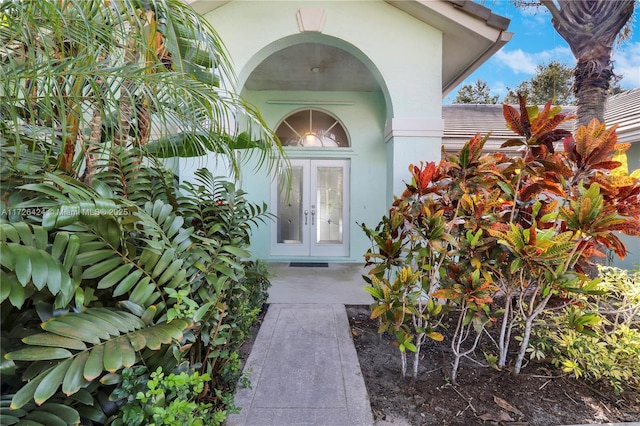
(477, 226)
(94, 289)
(552, 80)
(478, 93)
(107, 264)
(603, 339)
(165, 400)
(53, 413)
(83, 78)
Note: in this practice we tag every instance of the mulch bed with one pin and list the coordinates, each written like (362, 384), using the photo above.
(540, 395)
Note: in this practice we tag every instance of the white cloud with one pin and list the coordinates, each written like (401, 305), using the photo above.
(561, 54)
(626, 61)
(627, 64)
(521, 62)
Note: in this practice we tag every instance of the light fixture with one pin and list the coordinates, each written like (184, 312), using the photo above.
(317, 139)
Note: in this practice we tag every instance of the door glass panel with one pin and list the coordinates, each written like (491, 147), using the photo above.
(312, 209)
(329, 211)
(290, 208)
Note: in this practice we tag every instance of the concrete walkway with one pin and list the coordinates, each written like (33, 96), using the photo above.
(303, 365)
(339, 283)
(304, 370)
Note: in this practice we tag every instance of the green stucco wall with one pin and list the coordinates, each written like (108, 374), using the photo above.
(389, 129)
(406, 53)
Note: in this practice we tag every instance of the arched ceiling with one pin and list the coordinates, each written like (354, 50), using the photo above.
(312, 67)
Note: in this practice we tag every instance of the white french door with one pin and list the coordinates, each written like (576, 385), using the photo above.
(312, 214)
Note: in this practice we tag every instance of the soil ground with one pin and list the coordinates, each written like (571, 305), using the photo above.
(540, 395)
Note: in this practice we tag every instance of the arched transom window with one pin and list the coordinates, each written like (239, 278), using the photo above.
(312, 128)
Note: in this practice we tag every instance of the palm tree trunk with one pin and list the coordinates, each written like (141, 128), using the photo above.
(590, 28)
(91, 156)
(126, 102)
(591, 88)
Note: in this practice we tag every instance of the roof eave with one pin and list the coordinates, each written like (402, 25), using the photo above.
(471, 34)
(451, 83)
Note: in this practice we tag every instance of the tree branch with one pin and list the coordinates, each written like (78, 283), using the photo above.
(551, 6)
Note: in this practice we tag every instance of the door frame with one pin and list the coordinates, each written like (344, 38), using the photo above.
(309, 247)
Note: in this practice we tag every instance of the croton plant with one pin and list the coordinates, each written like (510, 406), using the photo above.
(499, 239)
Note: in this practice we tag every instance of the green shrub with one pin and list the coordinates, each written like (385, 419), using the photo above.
(107, 263)
(601, 340)
(622, 302)
(611, 356)
(164, 400)
(92, 294)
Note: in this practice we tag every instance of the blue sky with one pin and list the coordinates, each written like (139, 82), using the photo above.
(536, 41)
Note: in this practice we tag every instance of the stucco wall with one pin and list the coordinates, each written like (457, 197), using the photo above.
(390, 128)
(632, 260)
(407, 53)
(633, 155)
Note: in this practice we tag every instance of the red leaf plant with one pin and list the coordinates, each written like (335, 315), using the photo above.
(499, 239)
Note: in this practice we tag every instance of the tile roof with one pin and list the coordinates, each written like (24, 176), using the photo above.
(462, 121)
(624, 109)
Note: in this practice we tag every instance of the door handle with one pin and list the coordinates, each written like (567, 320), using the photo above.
(306, 213)
(313, 216)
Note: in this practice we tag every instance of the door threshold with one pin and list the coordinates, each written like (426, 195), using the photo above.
(308, 265)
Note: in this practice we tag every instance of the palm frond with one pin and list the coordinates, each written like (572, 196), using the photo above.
(102, 340)
(153, 70)
(53, 412)
(28, 259)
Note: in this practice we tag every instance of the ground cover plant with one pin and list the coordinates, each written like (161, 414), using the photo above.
(609, 349)
(122, 290)
(498, 241)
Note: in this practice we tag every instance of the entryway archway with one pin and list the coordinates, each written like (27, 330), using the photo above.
(327, 103)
